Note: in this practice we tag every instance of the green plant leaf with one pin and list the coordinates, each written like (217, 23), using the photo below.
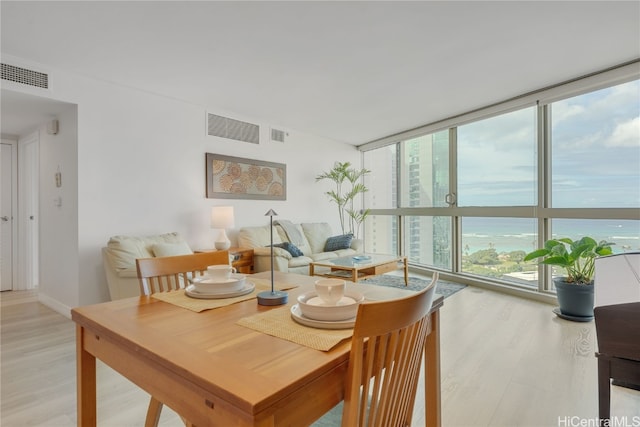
(557, 260)
(536, 254)
(576, 257)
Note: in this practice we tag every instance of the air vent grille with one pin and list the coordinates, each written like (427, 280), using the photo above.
(25, 76)
(225, 127)
(277, 135)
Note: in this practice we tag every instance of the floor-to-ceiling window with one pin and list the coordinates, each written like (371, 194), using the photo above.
(497, 171)
(473, 197)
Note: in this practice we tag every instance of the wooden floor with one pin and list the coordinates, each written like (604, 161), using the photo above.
(506, 361)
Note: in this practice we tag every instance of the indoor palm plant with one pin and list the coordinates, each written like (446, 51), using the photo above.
(577, 258)
(347, 189)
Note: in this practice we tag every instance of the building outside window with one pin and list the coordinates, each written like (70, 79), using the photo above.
(473, 198)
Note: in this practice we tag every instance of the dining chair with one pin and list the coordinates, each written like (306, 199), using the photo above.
(162, 274)
(384, 363)
(168, 273)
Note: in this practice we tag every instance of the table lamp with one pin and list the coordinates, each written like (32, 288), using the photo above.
(272, 297)
(222, 218)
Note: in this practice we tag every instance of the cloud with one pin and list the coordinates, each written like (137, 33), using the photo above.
(626, 134)
(564, 110)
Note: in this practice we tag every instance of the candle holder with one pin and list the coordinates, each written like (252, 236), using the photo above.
(272, 297)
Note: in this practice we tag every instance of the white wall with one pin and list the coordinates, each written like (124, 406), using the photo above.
(58, 234)
(140, 162)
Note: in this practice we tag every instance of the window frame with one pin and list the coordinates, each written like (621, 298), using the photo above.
(542, 212)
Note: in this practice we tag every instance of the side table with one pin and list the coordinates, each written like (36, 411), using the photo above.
(242, 259)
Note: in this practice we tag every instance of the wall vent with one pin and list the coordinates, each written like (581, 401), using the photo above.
(225, 127)
(25, 76)
(277, 135)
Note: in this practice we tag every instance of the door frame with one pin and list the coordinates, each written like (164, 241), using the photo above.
(28, 213)
(13, 143)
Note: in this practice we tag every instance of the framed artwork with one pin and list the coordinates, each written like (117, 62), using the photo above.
(237, 178)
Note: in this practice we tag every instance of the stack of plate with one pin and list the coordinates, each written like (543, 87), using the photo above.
(311, 310)
(209, 287)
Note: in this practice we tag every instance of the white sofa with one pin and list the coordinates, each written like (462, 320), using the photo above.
(310, 238)
(119, 258)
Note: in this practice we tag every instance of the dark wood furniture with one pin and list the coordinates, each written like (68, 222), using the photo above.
(618, 331)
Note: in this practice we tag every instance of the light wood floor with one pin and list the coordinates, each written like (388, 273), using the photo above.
(506, 361)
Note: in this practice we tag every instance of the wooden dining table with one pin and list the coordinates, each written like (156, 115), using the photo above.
(214, 372)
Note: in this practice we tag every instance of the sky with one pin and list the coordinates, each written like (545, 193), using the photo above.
(595, 153)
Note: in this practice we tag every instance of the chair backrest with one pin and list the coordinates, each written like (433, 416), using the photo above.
(163, 274)
(384, 364)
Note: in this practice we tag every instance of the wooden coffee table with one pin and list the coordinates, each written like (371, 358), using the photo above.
(360, 266)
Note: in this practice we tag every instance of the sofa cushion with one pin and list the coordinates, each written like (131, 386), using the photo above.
(324, 256)
(335, 243)
(256, 237)
(171, 249)
(344, 252)
(125, 249)
(289, 247)
(300, 261)
(317, 233)
(302, 243)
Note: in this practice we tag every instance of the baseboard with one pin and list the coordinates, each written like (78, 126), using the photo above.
(55, 305)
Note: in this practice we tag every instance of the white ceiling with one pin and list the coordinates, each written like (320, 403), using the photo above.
(350, 71)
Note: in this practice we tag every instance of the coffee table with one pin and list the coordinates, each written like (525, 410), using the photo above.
(360, 266)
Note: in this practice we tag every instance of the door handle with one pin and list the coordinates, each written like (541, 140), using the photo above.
(450, 199)
(5, 218)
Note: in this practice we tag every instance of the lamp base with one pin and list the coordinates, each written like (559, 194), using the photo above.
(272, 298)
(222, 245)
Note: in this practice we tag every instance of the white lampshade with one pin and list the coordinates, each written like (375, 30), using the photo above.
(222, 218)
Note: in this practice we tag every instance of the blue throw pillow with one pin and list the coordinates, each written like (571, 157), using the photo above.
(291, 248)
(338, 242)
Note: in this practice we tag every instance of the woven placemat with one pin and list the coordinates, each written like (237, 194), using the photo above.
(277, 322)
(181, 299)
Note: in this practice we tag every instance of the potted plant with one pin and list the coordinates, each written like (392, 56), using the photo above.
(577, 258)
(347, 189)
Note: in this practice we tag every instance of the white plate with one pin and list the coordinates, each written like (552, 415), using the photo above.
(297, 316)
(208, 280)
(207, 285)
(194, 293)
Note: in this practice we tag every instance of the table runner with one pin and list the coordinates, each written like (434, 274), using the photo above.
(180, 299)
(277, 322)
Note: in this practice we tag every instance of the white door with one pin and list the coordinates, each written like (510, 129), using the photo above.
(7, 205)
(28, 190)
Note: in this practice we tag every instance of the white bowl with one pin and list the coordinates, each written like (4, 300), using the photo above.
(208, 284)
(313, 307)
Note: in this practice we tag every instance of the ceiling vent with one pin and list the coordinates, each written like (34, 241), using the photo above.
(277, 135)
(25, 76)
(225, 127)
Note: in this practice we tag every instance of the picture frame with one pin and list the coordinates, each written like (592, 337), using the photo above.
(231, 177)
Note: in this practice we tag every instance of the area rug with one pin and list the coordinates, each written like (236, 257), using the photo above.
(443, 287)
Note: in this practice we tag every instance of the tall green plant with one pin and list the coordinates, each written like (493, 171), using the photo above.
(577, 258)
(347, 188)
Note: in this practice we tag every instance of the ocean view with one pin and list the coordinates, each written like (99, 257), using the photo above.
(512, 234)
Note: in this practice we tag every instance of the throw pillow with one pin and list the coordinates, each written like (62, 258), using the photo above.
(338, 242)
(289, 247)
(171, 249)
